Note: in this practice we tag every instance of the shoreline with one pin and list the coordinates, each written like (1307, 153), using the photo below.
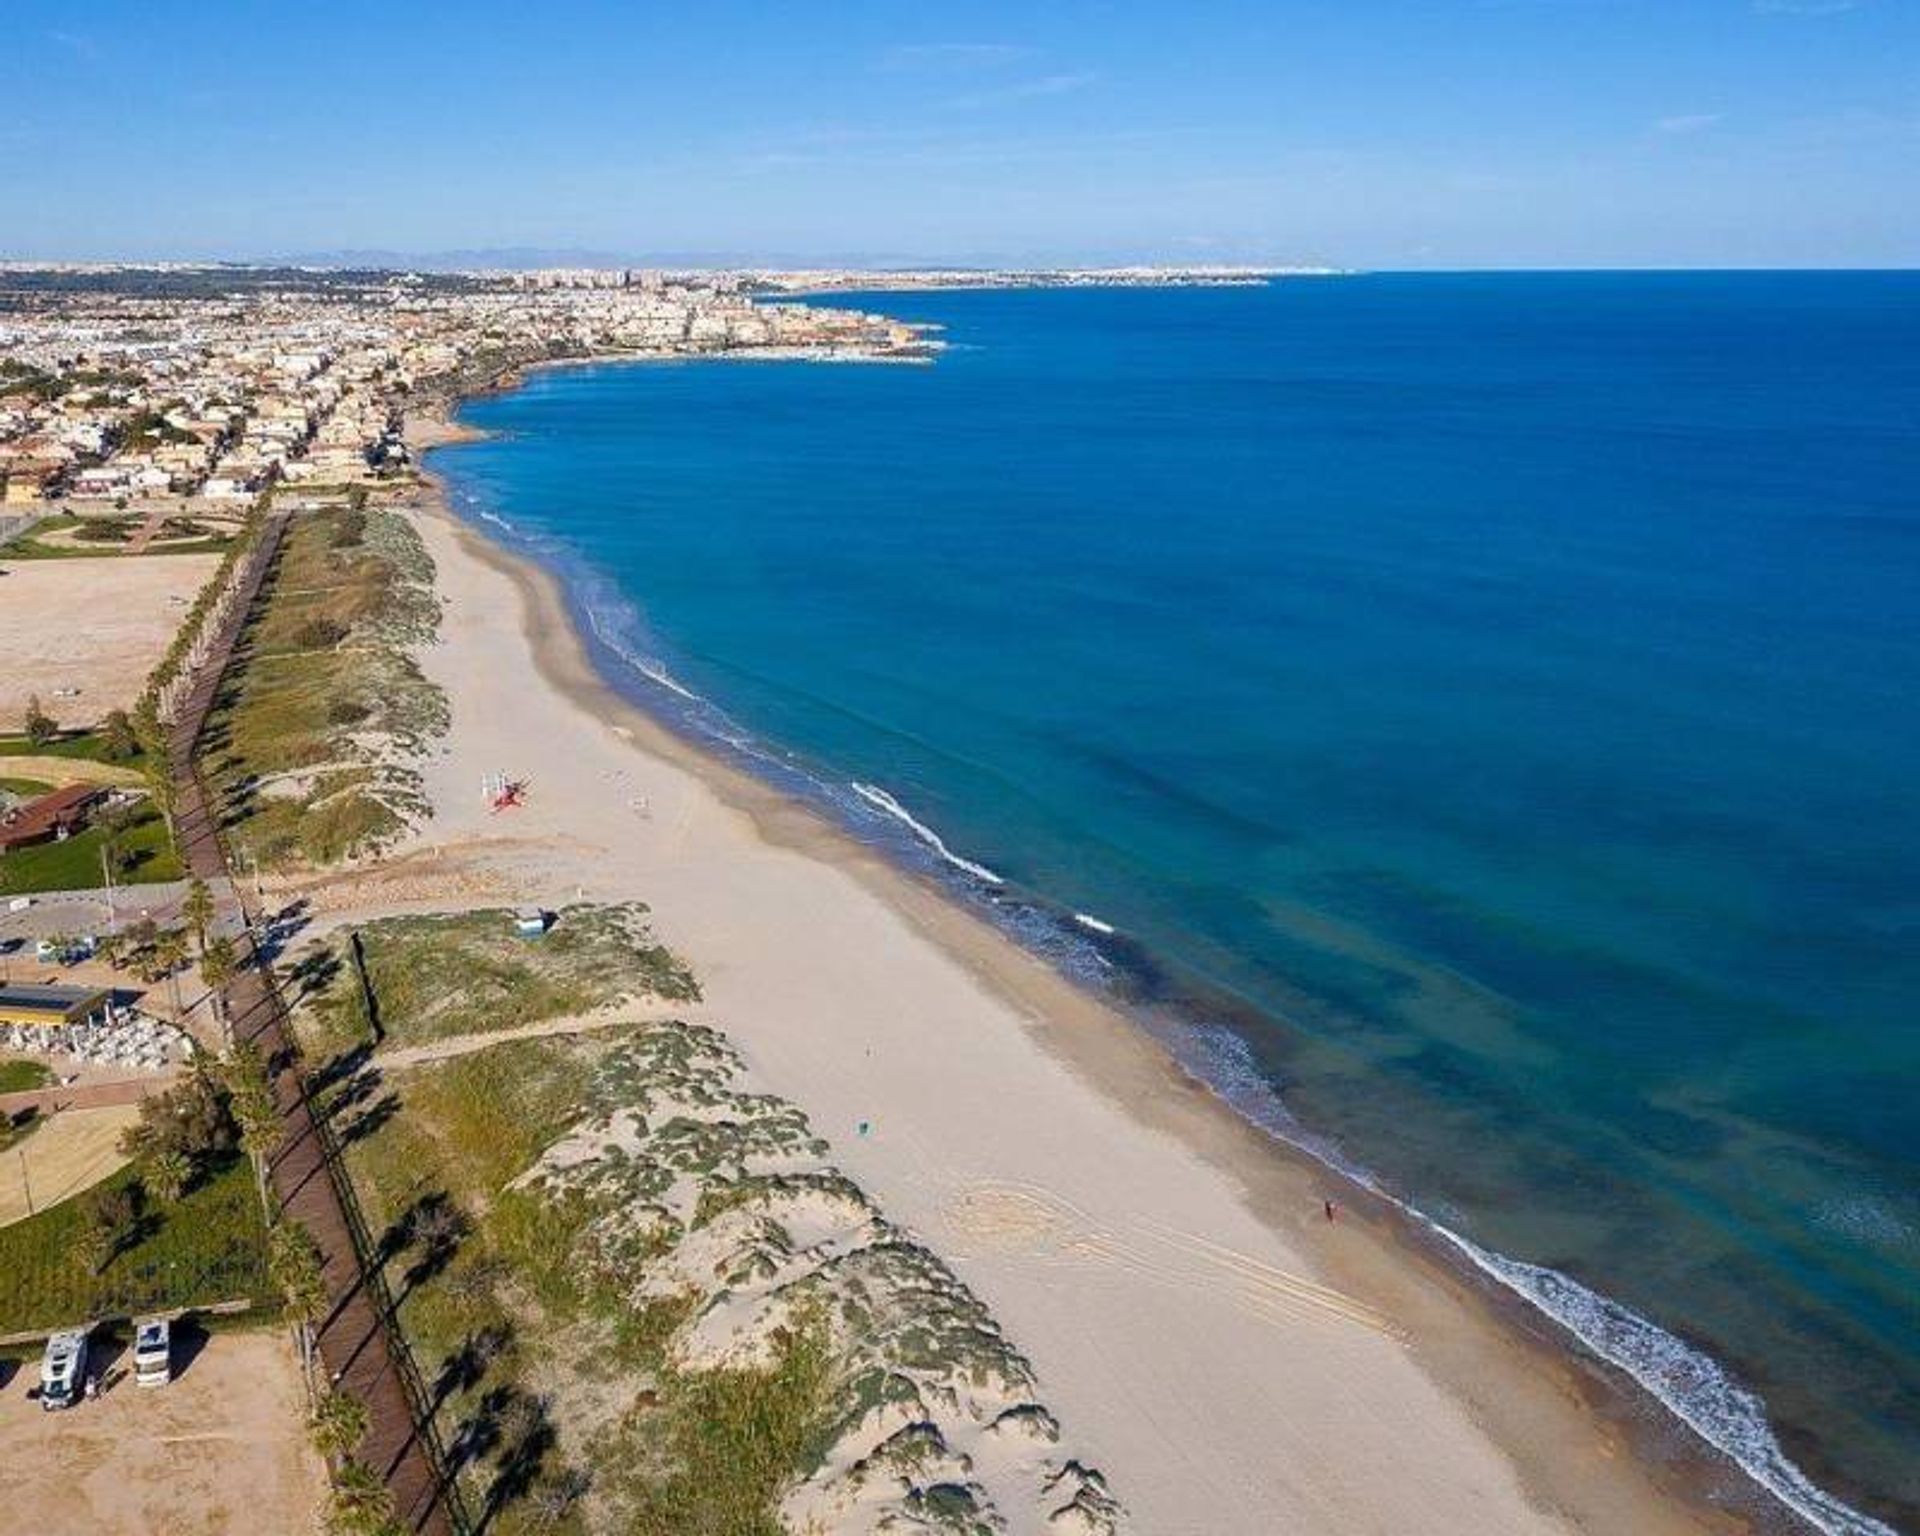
(1513, 1371)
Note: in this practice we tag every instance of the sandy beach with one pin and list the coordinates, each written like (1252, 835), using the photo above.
(1231, 1360)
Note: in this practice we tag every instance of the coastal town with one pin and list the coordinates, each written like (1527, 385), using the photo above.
(164, 393)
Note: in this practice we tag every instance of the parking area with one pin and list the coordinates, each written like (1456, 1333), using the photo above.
(221, 1449)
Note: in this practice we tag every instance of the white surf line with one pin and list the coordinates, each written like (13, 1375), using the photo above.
(882, 801)
(653, 671)
(1690, 1383)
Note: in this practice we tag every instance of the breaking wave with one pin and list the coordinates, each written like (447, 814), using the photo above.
(885, 802)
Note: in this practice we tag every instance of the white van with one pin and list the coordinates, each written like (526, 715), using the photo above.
(63, 1372)
(152, 1352)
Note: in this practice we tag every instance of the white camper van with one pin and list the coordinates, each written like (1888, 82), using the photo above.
(63, 1372)
(152, 1352)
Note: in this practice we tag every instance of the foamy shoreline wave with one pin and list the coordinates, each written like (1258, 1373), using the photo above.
(1686, 1382)
(875, 796)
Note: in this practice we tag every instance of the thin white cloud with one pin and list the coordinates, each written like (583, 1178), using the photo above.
(1025, 90)
(949, 150)
(77, 43)
(1687, 122)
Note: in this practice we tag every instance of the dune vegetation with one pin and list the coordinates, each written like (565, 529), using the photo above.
(310, 742)
(639, 1293)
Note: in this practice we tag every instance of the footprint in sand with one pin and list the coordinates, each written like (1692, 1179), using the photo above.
(1004, 1218)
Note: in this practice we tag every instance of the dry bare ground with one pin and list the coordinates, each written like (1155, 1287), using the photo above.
(222, 1449)
(93, 625)
(73, 1151)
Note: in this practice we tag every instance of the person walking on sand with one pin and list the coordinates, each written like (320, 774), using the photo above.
(1329, 1208)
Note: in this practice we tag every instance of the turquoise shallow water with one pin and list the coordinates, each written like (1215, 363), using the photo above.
(1496, 700)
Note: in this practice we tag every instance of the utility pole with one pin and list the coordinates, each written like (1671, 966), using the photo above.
(106, 871)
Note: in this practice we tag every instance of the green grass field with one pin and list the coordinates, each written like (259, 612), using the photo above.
(75, 864)
(210, 1247)
(18, 1074)
(98, 536)
(86, 746)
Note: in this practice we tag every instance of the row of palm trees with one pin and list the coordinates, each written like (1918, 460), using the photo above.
(155, 954)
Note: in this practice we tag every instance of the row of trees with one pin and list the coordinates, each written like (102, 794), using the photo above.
(183, 654)
(118, 739)
(155, 954)
(362, 1505)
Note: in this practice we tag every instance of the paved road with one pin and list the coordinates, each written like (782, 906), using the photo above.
(70, 912)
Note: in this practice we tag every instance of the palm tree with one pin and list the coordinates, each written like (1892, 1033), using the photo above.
(167, 1174)
(169, 954)
(219, 964)
(161, 788)
(197, 909)
(362, 1502)
(340, 1423)
(156, 764)
(260, 1138)
(250, 1096)
(293, 1264)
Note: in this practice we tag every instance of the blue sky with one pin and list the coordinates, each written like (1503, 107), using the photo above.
(1379, 133)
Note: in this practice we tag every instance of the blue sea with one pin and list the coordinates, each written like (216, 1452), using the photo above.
(1485, 710)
